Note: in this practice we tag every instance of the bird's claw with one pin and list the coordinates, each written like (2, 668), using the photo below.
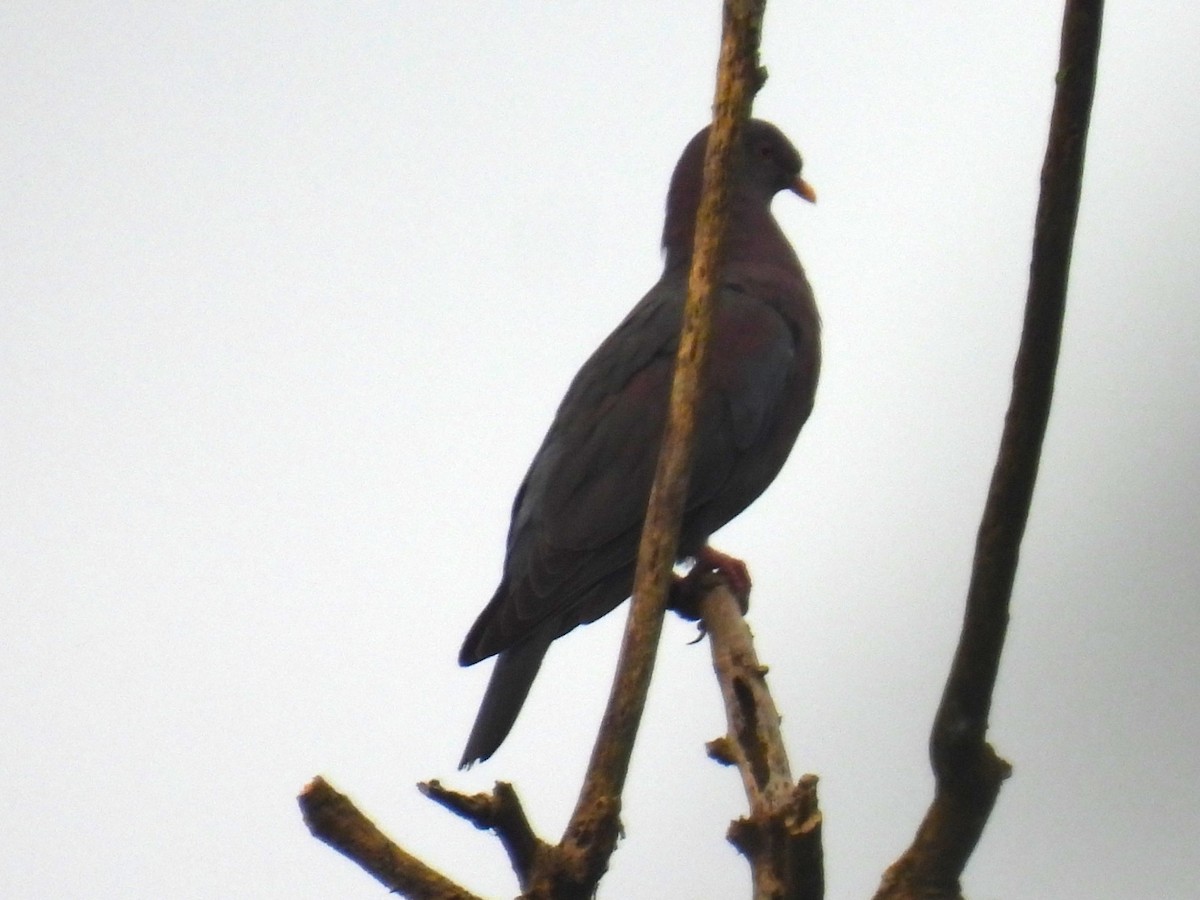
(729, 568)
(710, 565)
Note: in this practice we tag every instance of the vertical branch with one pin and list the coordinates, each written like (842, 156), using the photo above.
(595, 820)
(781, 836)
(968, 772)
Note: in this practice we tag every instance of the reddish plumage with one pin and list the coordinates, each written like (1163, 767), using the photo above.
(576, 520)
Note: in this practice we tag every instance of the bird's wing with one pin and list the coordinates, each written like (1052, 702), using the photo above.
(578, 516)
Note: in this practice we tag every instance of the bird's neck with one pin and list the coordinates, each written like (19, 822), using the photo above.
(753, 237)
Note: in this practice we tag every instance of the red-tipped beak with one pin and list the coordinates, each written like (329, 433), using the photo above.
(802, 188)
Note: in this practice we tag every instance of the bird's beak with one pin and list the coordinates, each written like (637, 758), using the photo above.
(802, 188)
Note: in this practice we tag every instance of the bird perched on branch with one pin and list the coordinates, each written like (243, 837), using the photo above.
(577, 518)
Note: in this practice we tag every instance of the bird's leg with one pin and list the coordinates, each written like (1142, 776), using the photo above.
(710, 563)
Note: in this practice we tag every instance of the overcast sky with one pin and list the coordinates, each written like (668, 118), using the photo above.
(289, 293)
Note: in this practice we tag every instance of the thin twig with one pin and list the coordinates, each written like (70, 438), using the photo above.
(968, 772)
(501, 812)
(334, 819)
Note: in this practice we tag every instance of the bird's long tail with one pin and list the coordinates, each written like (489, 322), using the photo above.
(506, 692)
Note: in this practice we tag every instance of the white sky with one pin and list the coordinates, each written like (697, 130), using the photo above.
(289, 293)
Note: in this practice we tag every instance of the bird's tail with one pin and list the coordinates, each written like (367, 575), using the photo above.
(506, 692)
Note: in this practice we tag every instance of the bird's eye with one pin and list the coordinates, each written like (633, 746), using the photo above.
(765, 151)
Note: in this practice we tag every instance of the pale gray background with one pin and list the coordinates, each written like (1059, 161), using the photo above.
(289, 293)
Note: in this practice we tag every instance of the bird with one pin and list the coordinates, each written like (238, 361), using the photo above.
(577, 517)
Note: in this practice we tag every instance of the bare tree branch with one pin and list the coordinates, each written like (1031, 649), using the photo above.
(595, 824)
(334, 819)
(781, 837)
(500, 811)
(968, 772)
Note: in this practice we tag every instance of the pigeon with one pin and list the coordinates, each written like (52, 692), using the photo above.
(577, 517)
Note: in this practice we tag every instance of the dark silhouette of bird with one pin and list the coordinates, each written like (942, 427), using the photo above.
(576, 521)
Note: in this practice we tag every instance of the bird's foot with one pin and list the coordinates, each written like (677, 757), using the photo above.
(731, 569)
(710, 564)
